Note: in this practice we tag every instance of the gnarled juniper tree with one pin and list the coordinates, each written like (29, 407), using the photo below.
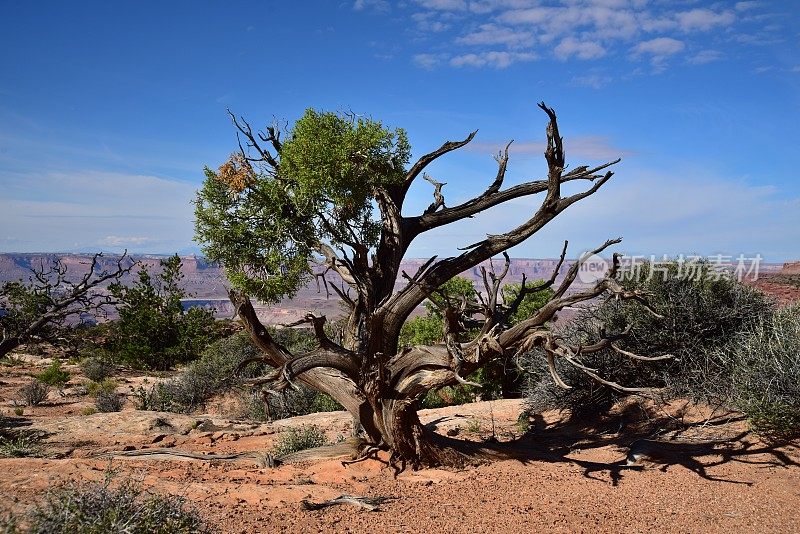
(278, 204)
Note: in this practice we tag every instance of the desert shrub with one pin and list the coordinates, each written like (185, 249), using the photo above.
(289, 404)
(298, 439)
(207, 376)
(20, 446)
(93, 389)
(11, 360)
(108, 401)
(765, 382)
(54, 375)
(213, 374)
(701, 313)
(97, 508)
(97, 368)
(33, 393)
(156, 398)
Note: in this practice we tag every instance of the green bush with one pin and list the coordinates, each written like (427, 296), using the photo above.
(298, 439)
(290, 403)
(765, 383)
(108, 401)
(213, 374)
(33, 393)
(156, 398)
(93, 389)
(95, 508)
(153, 330)
(209, 375)
(700, 314)
(20, 446)
(96, 368)
(54, 375)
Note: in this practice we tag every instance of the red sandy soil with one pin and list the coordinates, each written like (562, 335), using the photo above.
(571, 480)
(784, 288)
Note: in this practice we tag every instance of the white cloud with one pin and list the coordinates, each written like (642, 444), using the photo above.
(705, 56)
(703, 19)
(595, 81)
(494, 59)
(581, 49)
(744, 6)
(492, 34)
(577, 29)
(659, 49)
(584, 147)
(426, 22)
(379, 5)
(428, 61)
(444, 5)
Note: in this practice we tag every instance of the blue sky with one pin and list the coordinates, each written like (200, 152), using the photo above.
(110, 110)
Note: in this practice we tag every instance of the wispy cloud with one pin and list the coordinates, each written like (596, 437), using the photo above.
(658, 49)
(745, 6)
(379, 5)
(92, 210)
(493, 34)
(705, 56)
(428, 61)
(654, 214)
(573, 29)
(586, 147)
(595, 81)
(494, 59)
(703, 19)
(570, 46)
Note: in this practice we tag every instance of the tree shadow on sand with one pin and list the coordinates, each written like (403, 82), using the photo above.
(660, 441)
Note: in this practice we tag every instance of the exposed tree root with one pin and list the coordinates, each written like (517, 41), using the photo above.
(368, 503)
(261, 459)
(348, 448)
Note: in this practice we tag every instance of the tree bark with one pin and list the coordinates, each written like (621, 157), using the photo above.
(7, 345)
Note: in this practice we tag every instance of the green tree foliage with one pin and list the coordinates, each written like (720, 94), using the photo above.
(54, 375)
(422, 330)
(266, 224)
(531, 303)
(153, 330)
(454, 289)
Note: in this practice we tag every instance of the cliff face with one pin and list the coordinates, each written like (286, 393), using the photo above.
(206, 280)
(202, 278)
(792, 267)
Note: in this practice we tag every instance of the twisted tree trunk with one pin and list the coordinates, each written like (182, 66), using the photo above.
(381, 384)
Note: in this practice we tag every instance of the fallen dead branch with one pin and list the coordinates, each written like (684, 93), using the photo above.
(368, 503)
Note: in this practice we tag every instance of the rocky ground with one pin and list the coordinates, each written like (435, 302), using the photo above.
(571, 478)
